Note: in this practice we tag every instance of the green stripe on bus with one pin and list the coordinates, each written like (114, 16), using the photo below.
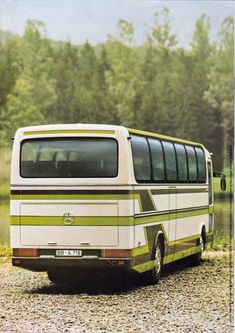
(164, 137)
(73, 196)
(136, 196)
(101, 220)
(183, 240)
(69, 132)
(169, 216)
(181, 254)
(146, 266)
(145, 248)
(79, 221)
(152, 200)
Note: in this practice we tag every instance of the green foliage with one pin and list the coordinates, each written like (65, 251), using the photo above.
(5, 252)
(123, 77)
(222, 242)
(33, 93)
(219, 94)
(155, 86)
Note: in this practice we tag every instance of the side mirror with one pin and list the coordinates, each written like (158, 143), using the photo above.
(222, 180)
(223, 183)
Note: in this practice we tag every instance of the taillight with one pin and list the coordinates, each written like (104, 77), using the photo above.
(25, 252)
(116, 253)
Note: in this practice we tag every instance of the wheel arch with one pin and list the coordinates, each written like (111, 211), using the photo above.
(159, 235)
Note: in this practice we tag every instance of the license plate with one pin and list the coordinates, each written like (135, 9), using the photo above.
(68, 253)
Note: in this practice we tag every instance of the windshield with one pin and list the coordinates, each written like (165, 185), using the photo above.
(69, 158)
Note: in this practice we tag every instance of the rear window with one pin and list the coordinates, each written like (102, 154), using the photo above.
(69, 158)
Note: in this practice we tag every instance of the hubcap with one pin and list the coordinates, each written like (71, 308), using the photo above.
(158, 260)
(201, 244)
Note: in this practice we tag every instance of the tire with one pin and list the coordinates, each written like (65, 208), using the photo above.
(153, 276)
(57, 277)
(197, 258)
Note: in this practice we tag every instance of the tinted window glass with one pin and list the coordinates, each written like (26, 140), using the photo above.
(69, 158)
(201, 165)
(141, 158)
(157, 160)
(171, 172)
(192, 164)
(181, 162)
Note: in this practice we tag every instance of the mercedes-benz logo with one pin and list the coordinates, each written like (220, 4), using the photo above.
(68, 218)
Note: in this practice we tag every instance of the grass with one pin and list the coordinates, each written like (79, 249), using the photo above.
(4, 225)
(5, 174)
(222, 242)
(5, 191)
(5, 252)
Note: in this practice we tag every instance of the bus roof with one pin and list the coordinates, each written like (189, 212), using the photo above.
(95, 129)
(164, 137)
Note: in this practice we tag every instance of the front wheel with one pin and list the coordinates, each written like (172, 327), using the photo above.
(154, 274)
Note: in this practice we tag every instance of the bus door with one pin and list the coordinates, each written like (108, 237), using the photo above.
(172, 222)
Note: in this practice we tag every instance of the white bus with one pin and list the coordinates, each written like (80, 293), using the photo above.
(95, 196)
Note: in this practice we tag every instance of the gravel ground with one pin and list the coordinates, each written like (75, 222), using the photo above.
(187, 299)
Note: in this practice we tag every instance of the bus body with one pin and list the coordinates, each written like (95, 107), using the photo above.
(86, 196)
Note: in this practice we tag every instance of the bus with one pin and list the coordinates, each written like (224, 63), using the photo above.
(89, 196)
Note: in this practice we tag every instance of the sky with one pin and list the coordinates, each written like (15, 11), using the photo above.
(93, 20)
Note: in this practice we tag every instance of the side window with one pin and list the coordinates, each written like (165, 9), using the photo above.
(201, 165)
(170, 158)
(181, 162)
(157, 160)
(141, 159)
(192, 164)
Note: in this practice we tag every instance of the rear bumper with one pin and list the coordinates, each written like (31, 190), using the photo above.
(44, 264)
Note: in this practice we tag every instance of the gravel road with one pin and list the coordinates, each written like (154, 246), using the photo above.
(187, 299)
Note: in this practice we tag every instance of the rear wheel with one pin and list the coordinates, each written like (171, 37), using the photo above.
(153, 276)
(56, 277)
(197, 258)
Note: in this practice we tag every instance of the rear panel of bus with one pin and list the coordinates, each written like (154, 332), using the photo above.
(71, 203)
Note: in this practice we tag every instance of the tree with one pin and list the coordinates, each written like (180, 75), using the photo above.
(123, 78)
(161, 78)
(8, 73)
(34, 92)
(219, 94)
(66, 108)
(205, 122)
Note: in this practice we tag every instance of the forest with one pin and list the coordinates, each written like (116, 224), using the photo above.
(156, 86)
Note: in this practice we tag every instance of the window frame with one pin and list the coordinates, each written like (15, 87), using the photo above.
(150, 161)
(69, 138)
(204, 159)
(196, 180)
(165, 180)
(186, 158)
(169, 180)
